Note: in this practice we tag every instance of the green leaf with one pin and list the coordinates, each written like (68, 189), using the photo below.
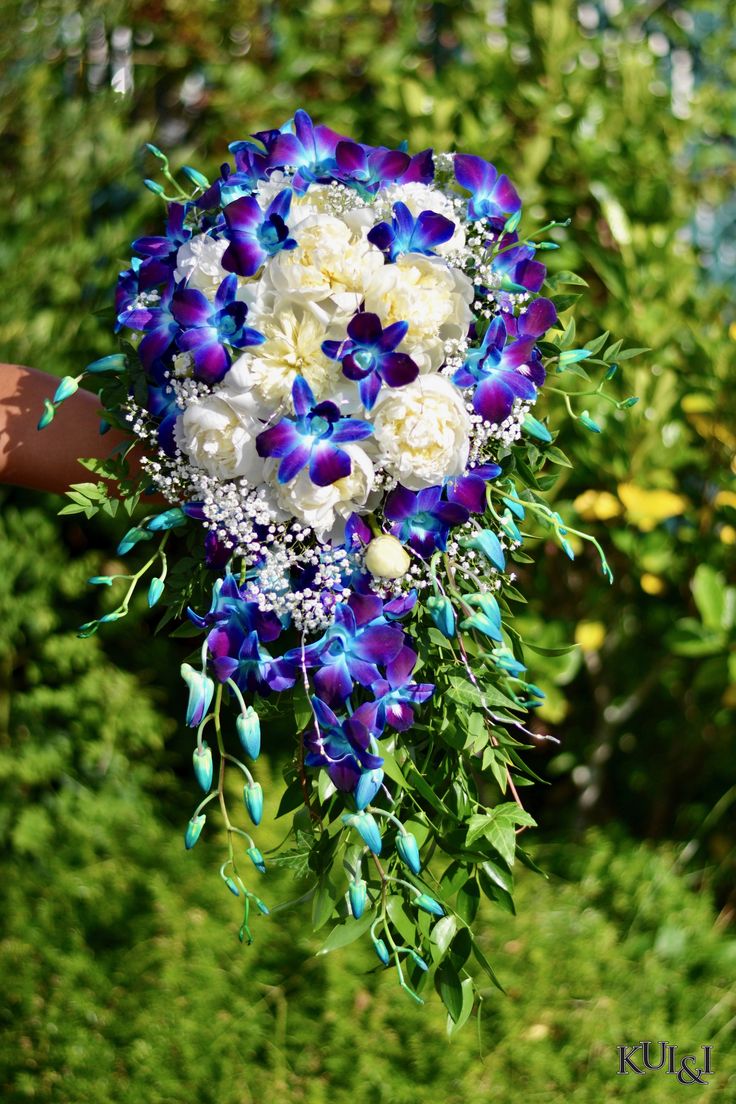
(401, 920)
(709, 592)
(564, 649)
(345, 934)
(628, 354)
(447, 983)
(442, 935)
(291, 799)
(485, 964)
(557, 456)
(499, 828)
(466, 1007)
(323, 903)
(468, 900)
(597, 343)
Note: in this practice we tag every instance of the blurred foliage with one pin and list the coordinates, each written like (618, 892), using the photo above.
(619, 115)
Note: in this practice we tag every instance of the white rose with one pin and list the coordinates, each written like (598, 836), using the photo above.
(423, 197)
(386, 558)
(199, 262)
(324, 508)
(432, 297)
(218, 435)
(422, 430)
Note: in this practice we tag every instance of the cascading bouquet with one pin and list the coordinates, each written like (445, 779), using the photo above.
(331, 356)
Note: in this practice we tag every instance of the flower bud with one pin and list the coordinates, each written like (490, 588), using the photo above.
(428, 904)
(262, 906)
(408, 850)
(256, 858)
(512, 222)
(381, 950)
(194, 830)
(195, 176)
(100, 580)
(113, 363)
(169, 519)
(588, 422)
(366, 827)
(232, 887)
(202, 762)
(442, 613)
(386, 558)
(154, 187)
(537, 429)
(507, 284)
(48, 414)
(573, 356)
(155, 590)
(509, 663)
(66, 389)
(114, 615)
(358, 896)
(248, 726)
(419, 960)
(253, 798)
(201, 690)
(510, 528)
(627, 403)
(489, 544)
(156, 151)
(368, 786)
(131, 538)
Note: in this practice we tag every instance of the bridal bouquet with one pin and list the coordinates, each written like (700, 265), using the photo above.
(330, 360)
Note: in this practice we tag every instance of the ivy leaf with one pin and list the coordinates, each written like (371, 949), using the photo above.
(344, 934)
(499, 828)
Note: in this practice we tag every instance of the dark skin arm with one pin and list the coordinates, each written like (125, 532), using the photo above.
(47, 460)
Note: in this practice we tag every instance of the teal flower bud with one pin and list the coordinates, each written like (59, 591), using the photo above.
(381, 950)
(628, 403)
(536, 429)
(232, 887)
(368, 786)
(195, 176)
(418, 960)
(66, 389)
(428, 904)
(48, 414)
(535, 691)
(201, 690)
(512, 222)
(202, 762)
(573, 356)
(169, 519)
(509, 663)
(611, 372)
(253, 798)
(256, 858)
(489, 544)
(588, 422)
(155, 590)
(194, 830)
(155, 151)
(515, 507)
(408, 850)
(89, 628)
(262, 907)
(105, 427)
(510, 528)
(507, 284)
(366, 827)
(547, 245)
(115, 615)
(115, 362)
(154, 187)
(567, 548)
(131, 538)
(100, 580)
(358, 896)
(248, 726)
(442, 613)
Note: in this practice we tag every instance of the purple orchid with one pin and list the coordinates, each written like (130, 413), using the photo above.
(248, 664)
(156, 320)
(421, 519)
(420, 169)
(232, 610)
(369, 168)
(515, 265)
(341, 747)
(256, 235)
(312, 438)
(492, 197)
(406, 234)
(469, 490)
(397, 694)
(502, 372)
(369, 356)
(209, 328)
(350, 651)
(309, 149)
(165, 247)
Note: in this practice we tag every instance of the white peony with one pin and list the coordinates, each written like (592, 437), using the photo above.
(293, 346)
(324, 508)
(327, 270)
(432, 297)
(422, 197)
(218, 435)
(422, 430)
(199, 262)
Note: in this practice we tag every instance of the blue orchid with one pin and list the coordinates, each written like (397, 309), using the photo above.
(210, 329)
(397, 694)
(308, 148)
(350, 651)
(503, 372)
(406, 234)
(341, 746)
(248, 663)
(515, 265)
(493, 197)
(369, 356)
(164, 247)
(256, 235)
(421, 519)
(469, 490)
(312, 438)
(369, 168)
(156, 321)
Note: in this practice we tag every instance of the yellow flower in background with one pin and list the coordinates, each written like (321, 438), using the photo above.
(652, 584)
(646, 509)
(597, 506)
(725, 498)
(590, 635)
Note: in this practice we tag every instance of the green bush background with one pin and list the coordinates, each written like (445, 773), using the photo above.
(121, 974)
